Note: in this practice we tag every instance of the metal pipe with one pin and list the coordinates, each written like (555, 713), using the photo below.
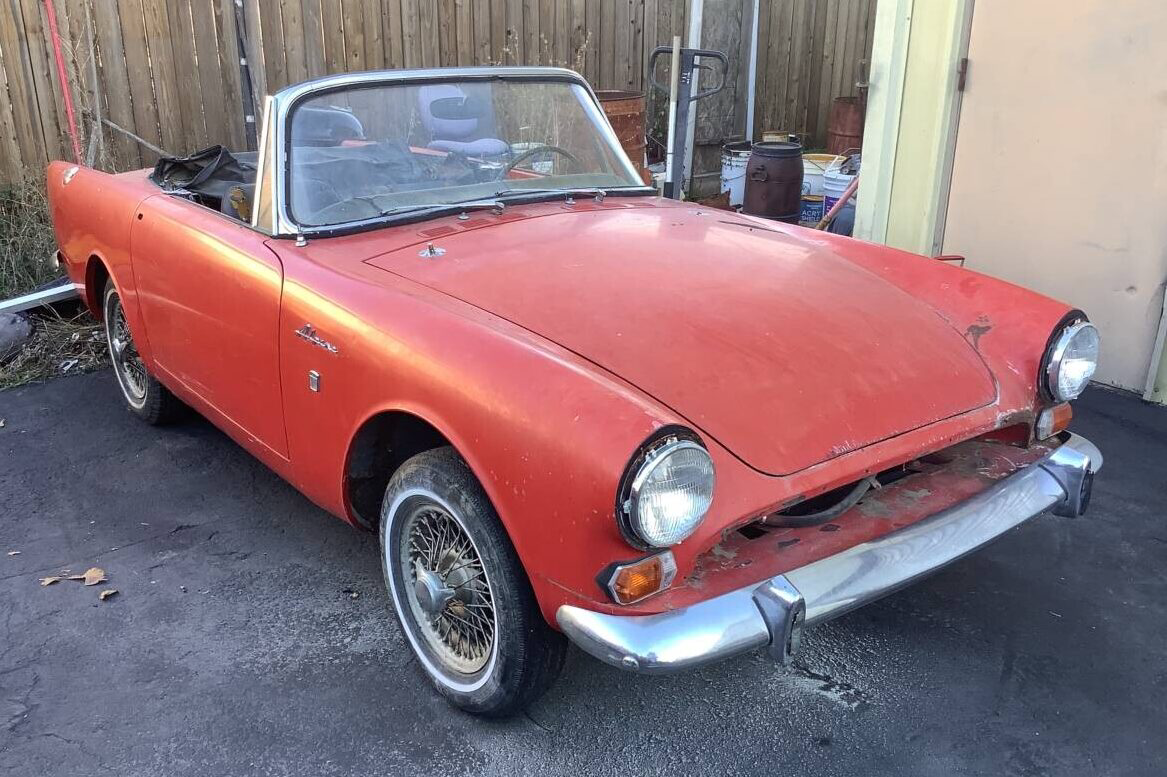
(674, 85)
(838, 206)
(752, 80)
(696, 8)
(132, 136)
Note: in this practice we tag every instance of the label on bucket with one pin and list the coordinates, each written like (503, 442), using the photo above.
(812, 210)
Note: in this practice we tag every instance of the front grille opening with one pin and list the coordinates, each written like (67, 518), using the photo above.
(825, 507)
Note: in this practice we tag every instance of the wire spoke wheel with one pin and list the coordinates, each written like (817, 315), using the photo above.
(131, 371)
(447, 589)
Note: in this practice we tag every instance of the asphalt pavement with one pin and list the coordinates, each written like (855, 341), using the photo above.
(250, 634)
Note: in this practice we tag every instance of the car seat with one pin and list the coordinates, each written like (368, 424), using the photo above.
(312, 126)
(470, 136)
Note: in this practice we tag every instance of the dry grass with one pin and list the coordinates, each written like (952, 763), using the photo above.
(26, 239)
(58, 346)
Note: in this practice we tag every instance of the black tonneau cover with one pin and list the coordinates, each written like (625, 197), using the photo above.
(208, 173)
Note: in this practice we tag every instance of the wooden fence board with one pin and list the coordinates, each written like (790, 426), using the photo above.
(254, 44)
(228, 48)
(312, 30)
(26, 116)
(71, 16)
(376, 54)
(216, 100)
(447, 32)
(532, 35)
(577, 34)
(291, 13)
(464, 32)
(10, 156)
(593, 22)
(145, 106)
(428, 34)
(44, 80)
(114, 85)
(353, 27)
(160, 44)
(481, 24)
(188, 86)
(332, 30)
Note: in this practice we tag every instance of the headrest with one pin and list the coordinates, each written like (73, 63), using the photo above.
(331, 126)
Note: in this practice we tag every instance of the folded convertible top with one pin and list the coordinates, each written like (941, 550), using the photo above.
(208, 173)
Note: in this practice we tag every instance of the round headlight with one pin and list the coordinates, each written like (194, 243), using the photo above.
(1072, 361)
(670, 493)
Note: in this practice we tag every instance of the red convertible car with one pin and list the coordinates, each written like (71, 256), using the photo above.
(442, 304)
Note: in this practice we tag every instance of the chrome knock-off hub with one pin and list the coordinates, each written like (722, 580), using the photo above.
(431, 590)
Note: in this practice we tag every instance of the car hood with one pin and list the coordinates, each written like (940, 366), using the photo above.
(784, 352)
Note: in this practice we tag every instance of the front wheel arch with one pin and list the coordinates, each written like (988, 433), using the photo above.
(384, 442)
(97, 275)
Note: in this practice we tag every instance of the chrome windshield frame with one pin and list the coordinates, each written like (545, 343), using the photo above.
(275, 155)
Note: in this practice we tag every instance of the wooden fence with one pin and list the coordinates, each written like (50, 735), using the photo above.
(168, 70)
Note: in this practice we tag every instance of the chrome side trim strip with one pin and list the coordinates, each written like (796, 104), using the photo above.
(770, 612)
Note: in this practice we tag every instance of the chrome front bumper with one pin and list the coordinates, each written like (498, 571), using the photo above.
(772, 613)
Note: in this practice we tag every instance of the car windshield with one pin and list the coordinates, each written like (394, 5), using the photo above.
(366, 151)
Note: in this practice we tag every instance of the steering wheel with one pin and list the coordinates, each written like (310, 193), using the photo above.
(563, 152)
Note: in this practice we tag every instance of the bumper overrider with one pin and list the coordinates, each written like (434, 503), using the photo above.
(773, 613)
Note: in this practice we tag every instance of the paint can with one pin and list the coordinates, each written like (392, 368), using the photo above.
(734, 158)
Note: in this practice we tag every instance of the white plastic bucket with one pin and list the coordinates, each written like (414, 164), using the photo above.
(835, 183)
(813, 168)
(734, 157)
(658, 176)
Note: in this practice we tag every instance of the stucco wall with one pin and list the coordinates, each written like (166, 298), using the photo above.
(1060, 174)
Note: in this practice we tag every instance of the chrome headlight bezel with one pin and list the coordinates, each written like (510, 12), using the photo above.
(649, 457)
(1055, 355)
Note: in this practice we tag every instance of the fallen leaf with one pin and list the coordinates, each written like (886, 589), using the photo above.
(50, 580)
(14, 553)
(107, 593)
(92, 576)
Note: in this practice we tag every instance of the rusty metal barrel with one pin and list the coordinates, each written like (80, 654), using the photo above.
(774, 182)
(625, 111)
(845, 126)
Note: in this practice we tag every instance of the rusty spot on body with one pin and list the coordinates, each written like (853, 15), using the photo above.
(724, 553)
(977, 330)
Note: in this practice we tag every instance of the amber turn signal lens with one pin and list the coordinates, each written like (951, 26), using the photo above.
(1053, 420)
(632, 582)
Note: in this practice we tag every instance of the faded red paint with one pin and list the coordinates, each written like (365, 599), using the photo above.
(550, 341)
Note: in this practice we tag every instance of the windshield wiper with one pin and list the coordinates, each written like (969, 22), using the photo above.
(569, 194)
(481, 204)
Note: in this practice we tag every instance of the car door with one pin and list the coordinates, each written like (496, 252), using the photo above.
(210, 292)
